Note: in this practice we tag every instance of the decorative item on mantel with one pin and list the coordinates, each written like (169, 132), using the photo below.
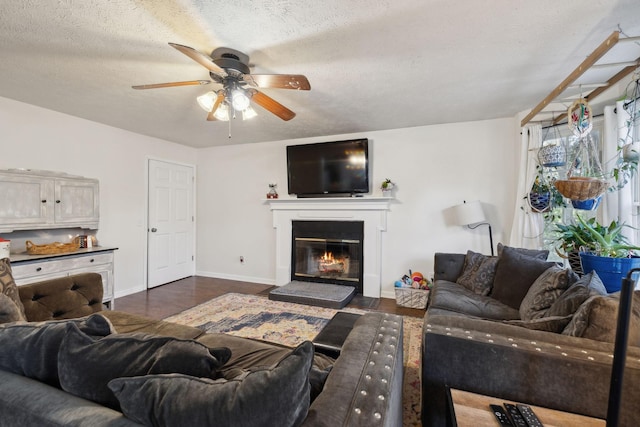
(273, 193)
(386, 187)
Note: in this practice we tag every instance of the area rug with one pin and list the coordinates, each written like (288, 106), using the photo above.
(289, 324)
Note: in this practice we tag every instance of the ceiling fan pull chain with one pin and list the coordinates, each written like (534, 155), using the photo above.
(229, 121)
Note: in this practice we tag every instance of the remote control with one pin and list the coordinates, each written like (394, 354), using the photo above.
(528, 415)
(501, 415)
(516, 418)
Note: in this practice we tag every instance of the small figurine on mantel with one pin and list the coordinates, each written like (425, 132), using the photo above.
(272, 194)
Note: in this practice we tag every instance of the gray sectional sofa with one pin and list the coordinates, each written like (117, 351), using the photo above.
(362, 387)
(477, 343)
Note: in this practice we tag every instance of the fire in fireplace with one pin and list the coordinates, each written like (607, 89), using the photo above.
(328, 252)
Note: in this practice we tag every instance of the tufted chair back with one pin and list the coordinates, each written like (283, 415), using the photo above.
(62, 298)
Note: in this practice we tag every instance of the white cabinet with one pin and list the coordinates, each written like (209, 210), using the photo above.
(38, 199)
(25, 272)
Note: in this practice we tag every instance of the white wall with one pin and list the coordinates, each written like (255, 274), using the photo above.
(434, 167)
(37, 138)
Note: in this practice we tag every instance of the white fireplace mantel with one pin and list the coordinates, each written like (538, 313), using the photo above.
(371, 210)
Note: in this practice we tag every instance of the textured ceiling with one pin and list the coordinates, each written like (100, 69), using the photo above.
(372, 64)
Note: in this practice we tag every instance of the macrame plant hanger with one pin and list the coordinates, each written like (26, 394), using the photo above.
(585, 176)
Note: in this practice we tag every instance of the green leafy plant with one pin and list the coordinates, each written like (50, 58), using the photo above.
(590, 236)
(387, 184)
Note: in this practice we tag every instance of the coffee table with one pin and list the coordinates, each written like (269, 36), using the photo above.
(472, 410)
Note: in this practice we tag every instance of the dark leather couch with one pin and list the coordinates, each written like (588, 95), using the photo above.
(364, 387)
(467, 346)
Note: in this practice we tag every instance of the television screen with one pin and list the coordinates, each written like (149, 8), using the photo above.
(328, 168)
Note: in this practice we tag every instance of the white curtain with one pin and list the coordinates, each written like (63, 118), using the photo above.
(528, 227)
(618, 205)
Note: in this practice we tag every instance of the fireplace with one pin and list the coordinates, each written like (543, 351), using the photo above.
(328, 252)
(370, 211)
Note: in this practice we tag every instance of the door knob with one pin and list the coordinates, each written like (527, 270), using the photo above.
(153, 230)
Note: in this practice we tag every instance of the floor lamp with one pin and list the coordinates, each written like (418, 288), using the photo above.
(472, 216)
(620, 349)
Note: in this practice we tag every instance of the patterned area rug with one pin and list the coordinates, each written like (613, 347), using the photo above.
(290, 324)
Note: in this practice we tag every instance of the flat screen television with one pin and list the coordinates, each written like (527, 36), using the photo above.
(328, 169)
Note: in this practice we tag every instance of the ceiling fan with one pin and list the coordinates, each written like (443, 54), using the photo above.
(230, 68)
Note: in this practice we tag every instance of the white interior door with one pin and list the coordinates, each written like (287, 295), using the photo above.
(171, 223)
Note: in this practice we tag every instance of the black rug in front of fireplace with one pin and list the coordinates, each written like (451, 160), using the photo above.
(310, 293)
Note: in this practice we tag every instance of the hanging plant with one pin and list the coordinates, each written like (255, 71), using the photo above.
(543, 196)
(554, 153)
(626, 165)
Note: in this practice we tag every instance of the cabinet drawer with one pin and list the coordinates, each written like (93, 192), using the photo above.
(33, 270)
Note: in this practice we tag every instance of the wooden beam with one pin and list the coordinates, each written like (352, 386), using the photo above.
(598, 53)
(613, 80)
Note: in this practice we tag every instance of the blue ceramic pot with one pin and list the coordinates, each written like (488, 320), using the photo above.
(610, 270)
(587, 205)
(540, 202)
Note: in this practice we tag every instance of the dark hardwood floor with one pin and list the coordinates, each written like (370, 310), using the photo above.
(174, 297)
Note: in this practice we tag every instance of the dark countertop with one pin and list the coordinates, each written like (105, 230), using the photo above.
(23, 257)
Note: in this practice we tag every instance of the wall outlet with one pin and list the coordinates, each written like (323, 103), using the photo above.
(241, 259)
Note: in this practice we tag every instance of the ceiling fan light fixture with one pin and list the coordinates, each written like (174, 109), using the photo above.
(207, 100)
(239, 100)
(248, 113)
(222, 113)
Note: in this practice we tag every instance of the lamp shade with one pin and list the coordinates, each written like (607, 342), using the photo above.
(468, 213)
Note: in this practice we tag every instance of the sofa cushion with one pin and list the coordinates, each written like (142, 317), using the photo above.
(533, 253)
(456, 298)
(515, 274)
(9, 311)
(478, 273)
(545, 291)
(31, 349)
(277, 395)
(597, 319)
(8, 287)
(86, 365)
(554, 324)
(571, 299)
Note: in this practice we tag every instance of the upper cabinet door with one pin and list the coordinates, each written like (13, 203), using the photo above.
(25, 201)
(77, 201)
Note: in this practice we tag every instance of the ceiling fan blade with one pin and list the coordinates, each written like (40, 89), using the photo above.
(172, 84)
(278, 81)
(200, 58)
(271, 105)
(219, 99)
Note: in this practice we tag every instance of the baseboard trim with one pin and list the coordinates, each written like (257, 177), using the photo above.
(129, 291)
(237, 277)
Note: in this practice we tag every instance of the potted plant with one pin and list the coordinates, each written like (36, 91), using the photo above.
(570, 238)
(386, 187)
(607, 251)
(540, 194)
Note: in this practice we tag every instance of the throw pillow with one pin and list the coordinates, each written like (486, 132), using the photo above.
(597, 319)
(545, 290)
(277, 396)
(514, 276)
(8, 286)
(9, 311)
(86, 366)
(31, 349)
(554, 324)
(478, 273)
(533, 253)
(571, 299)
